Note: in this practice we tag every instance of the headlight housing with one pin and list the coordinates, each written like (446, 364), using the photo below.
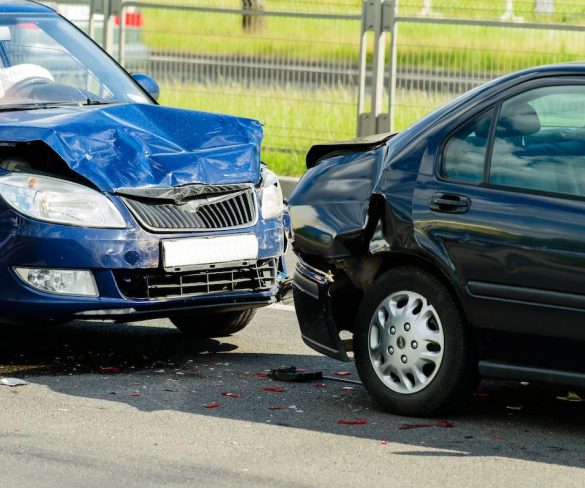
(272, 200)
(59, 201)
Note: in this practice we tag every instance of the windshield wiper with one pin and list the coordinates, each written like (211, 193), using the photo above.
(35, 106)
(92, 101)
(46, 105)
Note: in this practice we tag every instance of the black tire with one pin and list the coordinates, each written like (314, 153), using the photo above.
(213, 324)
(456, 375)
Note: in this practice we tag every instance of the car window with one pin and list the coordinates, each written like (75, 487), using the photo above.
(30, 45)
(44, 59)
(540, 141)
(464, 153)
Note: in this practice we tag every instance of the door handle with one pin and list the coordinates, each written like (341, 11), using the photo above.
(449, 203)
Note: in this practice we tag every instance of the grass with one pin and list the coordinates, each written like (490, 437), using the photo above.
(294, 119)
(436, 46)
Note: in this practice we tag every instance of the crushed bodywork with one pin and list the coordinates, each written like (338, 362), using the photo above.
(129, 146)
(341, 222)
(330, 207)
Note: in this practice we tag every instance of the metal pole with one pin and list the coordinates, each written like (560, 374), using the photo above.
(91, 24)
(122, 36)
(108, 41)
(378, 63)
(392, 64)
(363, 67)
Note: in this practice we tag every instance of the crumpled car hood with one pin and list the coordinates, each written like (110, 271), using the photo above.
(143, 146)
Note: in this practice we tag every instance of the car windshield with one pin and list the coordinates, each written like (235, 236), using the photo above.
(45, 61)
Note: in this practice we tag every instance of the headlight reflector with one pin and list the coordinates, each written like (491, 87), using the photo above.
(59, 281)
(59, 201)
(272, 200)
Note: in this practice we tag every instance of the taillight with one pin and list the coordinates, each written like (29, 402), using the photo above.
(130, 20)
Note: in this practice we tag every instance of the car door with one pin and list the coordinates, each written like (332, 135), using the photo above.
(506, 207)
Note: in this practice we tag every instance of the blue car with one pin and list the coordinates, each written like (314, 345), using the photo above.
(115, 208)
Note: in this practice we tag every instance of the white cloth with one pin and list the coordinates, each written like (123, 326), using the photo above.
(15, 74)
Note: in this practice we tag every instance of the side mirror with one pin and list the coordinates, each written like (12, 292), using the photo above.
(148, 83)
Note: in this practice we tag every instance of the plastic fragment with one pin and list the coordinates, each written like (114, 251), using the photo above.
(261, 375)
(441, 423)
(273, 389)
(109, 370)
(13, 382)
(495, 435)
(292, 374)
(352, 422)
(384, 443)
(135, 394)
(277, 408)
(343, 373)
(320, 385)
(571, 397)
(212, 405)
(515, 407)
(231, 395)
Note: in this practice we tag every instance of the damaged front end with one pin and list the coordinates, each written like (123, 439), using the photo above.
(336, 219)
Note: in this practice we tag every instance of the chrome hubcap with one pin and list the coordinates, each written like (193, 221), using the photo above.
(406, 342)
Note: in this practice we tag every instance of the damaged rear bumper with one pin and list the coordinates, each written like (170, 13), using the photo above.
(313, 306)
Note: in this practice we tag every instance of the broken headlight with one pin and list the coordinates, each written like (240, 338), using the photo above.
(59, 201)
(272, 201)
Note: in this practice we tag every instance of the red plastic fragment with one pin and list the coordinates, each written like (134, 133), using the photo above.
(343, 373)
(109, 370)
(212, 405)
(441, 423)
(273, 389)
(231, 395)
(352, 422)
(495, 435)
(135, 394)
(276, 408)
(384, 443)
(261, 375)
(320, 385)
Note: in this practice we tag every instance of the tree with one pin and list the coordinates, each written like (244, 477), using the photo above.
(252, 23)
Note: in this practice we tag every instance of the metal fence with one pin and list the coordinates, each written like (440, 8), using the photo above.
(320, 70)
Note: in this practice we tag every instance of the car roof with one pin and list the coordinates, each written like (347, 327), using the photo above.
(23, 6)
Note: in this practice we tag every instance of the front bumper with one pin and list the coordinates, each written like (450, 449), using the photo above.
(107, 253)
(313, 306)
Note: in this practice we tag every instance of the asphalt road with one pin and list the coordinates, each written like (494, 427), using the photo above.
(149, 425)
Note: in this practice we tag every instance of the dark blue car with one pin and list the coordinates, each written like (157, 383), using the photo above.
(455, 249)
(113, 207)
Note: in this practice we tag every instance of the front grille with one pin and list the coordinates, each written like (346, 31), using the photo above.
(202, 212)
(255, 276)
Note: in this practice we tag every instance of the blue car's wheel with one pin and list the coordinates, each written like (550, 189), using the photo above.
(209, 324)
(412, 349)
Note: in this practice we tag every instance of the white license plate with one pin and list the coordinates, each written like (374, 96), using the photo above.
(179, 253)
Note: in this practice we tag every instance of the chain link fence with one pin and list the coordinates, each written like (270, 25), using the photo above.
(307, 67)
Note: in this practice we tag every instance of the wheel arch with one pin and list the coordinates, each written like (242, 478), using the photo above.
(395, 259)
